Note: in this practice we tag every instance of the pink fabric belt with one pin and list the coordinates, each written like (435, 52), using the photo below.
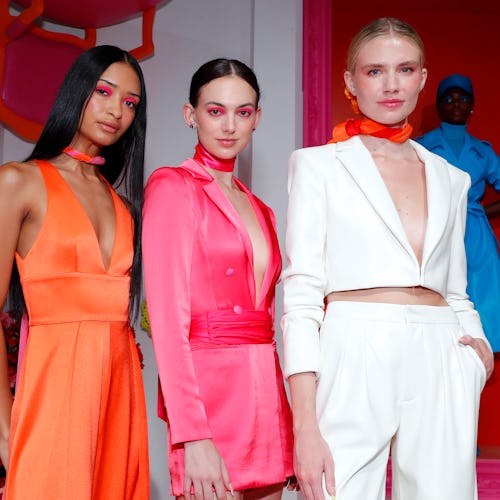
(230, 327)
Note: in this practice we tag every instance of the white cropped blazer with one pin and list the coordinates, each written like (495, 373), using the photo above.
(344, 233)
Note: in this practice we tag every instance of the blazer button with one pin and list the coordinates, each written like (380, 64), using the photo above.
(237, 309)
(229, 271)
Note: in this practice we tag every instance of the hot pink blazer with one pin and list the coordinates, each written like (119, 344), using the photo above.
(198, 258)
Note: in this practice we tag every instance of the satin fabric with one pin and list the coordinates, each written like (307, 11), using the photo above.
(481, 162)
(344, 233)
(204, 157)
(365, 126)
(79, 427)
(199, 277)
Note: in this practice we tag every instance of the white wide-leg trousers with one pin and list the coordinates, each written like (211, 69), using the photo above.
(395, 378)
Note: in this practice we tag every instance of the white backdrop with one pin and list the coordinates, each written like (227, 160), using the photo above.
(267, 35)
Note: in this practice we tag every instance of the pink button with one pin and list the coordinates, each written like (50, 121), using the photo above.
(237, 309)
(229, 271)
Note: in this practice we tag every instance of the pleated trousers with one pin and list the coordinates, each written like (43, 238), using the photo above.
(395, 379)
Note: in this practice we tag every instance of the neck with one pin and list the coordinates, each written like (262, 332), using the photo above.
(83, 157)
(377, 145)
(208, 160)
(452, 131)
(369, 127)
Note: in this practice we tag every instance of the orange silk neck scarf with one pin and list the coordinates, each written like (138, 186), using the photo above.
(365, 126)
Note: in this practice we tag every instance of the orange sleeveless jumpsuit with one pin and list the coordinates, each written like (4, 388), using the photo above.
(79, 428)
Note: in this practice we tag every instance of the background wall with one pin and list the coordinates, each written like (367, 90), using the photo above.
(266, 35)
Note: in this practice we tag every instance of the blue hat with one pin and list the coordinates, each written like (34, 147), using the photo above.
(454, 81)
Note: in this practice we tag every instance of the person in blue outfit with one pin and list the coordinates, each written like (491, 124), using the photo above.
(455, 106)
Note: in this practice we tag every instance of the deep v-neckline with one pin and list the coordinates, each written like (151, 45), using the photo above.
(375, 182)
(260, 294)
(85, 216)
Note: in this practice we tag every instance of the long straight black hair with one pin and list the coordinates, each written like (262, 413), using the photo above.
(124, 159)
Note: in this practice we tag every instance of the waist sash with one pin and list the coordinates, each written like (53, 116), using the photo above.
(76, 297)
(230, 327)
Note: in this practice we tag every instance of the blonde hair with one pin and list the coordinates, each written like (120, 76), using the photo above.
(383, 26)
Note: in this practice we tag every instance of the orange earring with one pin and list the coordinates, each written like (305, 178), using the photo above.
(352, 99)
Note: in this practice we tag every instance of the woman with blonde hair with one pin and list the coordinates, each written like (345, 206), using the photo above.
(398, 359)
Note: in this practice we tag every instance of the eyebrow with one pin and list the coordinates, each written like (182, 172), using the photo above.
(114, 85)
(381, 65)
(215, 103)
(409, 63)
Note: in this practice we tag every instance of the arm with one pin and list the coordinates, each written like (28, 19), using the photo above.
(168, 234)
(5, 402)
(304, 279)
(312, 456)
(456, 295)
(167, 241)
(304, 283)
(493, 177)
(13, 210)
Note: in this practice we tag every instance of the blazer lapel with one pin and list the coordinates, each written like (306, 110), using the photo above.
(438, 198)
(215, 194)
(263, 215)
(357, 160)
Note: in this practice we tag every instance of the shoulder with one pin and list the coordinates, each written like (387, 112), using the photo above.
(314, 153)
(484, 147)
(21, 189)
(168, 180)
(316, 160)
(19, 176)
(429, 138)
(166, 174)
(169, 189)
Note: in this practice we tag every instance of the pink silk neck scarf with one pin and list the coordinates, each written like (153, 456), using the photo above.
(207, 159)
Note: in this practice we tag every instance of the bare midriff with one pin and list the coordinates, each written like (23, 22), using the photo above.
(414, 295)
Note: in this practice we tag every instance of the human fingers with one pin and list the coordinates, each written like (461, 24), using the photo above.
(465, 340)
(311, 486)
(210, 488)
(187, 487)
(306, 490)
(482, 350)
(226, 479)
(292, 484)
(199, 491)
(330, 475)
(220, 489)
